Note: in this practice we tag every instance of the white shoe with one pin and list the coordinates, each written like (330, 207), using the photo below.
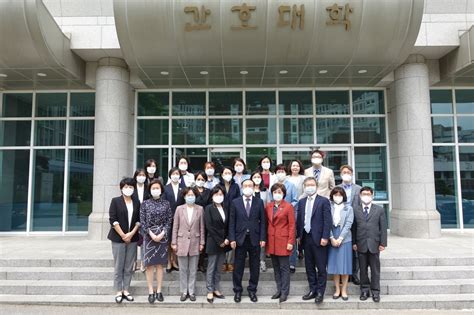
(263, 266)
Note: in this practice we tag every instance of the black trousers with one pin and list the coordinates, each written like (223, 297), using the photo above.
(239, 266)
(355, 264)
(373, 260)
(281, 270)
(315, 257)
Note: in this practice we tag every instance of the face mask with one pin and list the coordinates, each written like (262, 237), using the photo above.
(366, 199)
(175, 178)
(277, 197)
(247, 191)
(151, 169)
(317, 161)
(127, 191)
(239, 169)
(281, 176)
(257, 181)
(338, 199)
(210, 172)
(266, 166)
(346, 178)
(200, 183)
(183, 167)
(310, 190)
(190, 199)
(227, 177)
(218, 199)
(141, 179)
(156, 193)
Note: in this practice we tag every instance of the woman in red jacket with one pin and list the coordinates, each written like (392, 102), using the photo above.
(281, 237)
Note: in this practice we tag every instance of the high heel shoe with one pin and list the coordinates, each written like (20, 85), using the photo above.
(210, 299)
(219, 296)
(159, 297)
(151, 298)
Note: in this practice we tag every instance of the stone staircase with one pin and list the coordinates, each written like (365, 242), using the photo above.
(407, 283)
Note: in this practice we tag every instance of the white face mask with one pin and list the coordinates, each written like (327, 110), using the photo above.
(127, 191)
(141, 179)
(347, 178)
(151, 169)
(366, 199)
(210, 172)
(310, 190)
(280, 176)
(277, 197)
(338, 199)
(183, 167)
(175, 178)
(266, 166)
(317, 161)
(218, 199)
(227, 177)
(155, 193)
(200, 183)
(257, 181)
(248, 191)
(239, 169)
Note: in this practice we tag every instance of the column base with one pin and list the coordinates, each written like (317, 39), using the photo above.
(415, 223)
(99, 226)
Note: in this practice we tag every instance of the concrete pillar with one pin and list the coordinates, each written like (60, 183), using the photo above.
(113, 140)
(411, 157)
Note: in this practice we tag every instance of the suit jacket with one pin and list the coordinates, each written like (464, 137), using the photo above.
(347, 218)
(233, 193)
(369, 234)
(118, 213)
(169, 195)
(146, 193)
(355, 195)
(326, 180)
(216, 229)
(321, 219)
(188, 236)
(255, 223)
(281, 228)
(204, 198)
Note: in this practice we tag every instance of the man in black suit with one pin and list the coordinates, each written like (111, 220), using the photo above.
(247, 234)
(313, 226)
(369, 238)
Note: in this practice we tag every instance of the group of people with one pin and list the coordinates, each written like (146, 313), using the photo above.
(283, 212)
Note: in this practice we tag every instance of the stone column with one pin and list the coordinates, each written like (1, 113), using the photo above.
(411, 157)
(113, 140)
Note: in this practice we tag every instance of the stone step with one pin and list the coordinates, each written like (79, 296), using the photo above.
(106, 273)
(108, 262)
(427, 301)
(298, 288)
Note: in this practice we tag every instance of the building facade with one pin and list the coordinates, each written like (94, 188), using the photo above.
(91, 89)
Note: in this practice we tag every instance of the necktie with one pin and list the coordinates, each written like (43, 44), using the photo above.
(307, 215)
(366, 213)
(317, 171)
(247, 207)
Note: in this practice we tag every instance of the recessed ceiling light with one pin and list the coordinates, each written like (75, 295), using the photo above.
(164, 73)
(244, 72)
(41, 74)
(323, 71)
(283, 71)
(204, 72)
(362, 71)
(3, 75)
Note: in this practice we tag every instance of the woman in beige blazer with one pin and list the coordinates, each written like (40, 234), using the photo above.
(188, 241)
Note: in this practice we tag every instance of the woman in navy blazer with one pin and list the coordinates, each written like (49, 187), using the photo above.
(124, 218)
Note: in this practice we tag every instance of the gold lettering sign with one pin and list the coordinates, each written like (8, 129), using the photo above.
(244, 16)
(199, 18)
(339, 15)
(295, 15)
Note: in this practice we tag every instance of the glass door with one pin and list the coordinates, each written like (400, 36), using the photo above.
(224, 157)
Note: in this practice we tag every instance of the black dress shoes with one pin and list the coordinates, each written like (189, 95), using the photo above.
(238, 297)
(192, 297)
(253, 297)
(283, 298)
(183, 297)
(364, 296)
(128, 297)
(309, 296)
(292, 269)
(119, 299)
(219, 296)
(151, 298)
(319, 298)
(159, 297)
(376, 298)
(276, 296)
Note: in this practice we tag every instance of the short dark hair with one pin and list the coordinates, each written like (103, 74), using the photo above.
(367, 188)
(311, 178)
(138, 171)
(346, 166)
(188, 189)
(183, 157)
(318, 151)
(301, 172)
(210, 163)
(216, 189)
(280, 167)
(339, 190)
(241, 160)
(127, 181)
(247, 180)
(156, 181)
(279, 186)
(172, 170)
(201, 173)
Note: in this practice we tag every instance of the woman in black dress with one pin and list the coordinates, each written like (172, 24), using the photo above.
(156, 215)
(202, 199)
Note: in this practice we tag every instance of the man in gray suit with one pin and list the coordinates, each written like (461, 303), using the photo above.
(352, 192)
(369, 238)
